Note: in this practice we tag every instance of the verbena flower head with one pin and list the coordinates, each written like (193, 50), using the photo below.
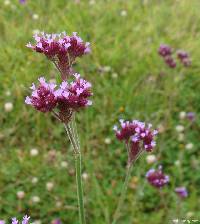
(61, 49)
(2, 222)
(181, 192)
(22, 1)
(56, 221)
(184, 58)
(170, 61)
(191, 116)
(24, 221)
(67, 98)
(43, 97)
(138, 137)
(75, 94)
(157, 178)
(164, 50)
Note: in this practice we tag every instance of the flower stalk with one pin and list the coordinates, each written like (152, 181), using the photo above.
(123, 194)
(72, 134)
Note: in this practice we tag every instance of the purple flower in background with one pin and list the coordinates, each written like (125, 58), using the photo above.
(22, 1)
(24, 221)
(191, 116)
(138, 137)
(61, 49)
(181, 192)
(170, 61)
(56, 221)
(2, 222)
(164, 50)
(184, 58)
(157, 178)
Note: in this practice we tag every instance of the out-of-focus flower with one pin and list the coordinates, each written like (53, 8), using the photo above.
(58, 204)
(170, 61)
(157, 178)
(177, 163)
(56, 221)
(34, 180)
(114, 75)
(20, 194)
(24, 221)
(184, 58)
(107, 141)
(123, 13)
(189, 146)
(151, 159)
(22, 1)
(182, 115)
(35, 199)
(8, 93)
(2, 222)
(180, 128)
(164, 50)
(85, 176)
(35, 16)
(138, 137)
(181, 192)
(34, 152)
(61, 49)
(6, 2)
(92, 2)
(49, 186)
(191, 116)
(8, 107)
(64, 164)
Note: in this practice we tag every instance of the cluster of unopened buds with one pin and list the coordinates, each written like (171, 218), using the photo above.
(166, 52)
(61, 49)
(137, 136)
(157, 178)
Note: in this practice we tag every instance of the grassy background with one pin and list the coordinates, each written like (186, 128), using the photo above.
(144, 89)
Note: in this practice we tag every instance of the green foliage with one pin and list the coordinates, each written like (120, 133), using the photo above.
(128, 45)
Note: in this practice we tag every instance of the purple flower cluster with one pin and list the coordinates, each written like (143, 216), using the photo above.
(61, 49)
(184, 58)
(181, 192)
(22, 1)
(137, 136)
(24, 221)
(70, 96)
(157, 178)
(166, 52)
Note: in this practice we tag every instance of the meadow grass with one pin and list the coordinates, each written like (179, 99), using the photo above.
(144, 88)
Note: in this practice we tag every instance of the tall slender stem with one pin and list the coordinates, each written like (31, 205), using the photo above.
(77, 156)
(123, 194)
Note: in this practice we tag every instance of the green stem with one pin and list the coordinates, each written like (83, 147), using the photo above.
(123, 194)
(77, 156)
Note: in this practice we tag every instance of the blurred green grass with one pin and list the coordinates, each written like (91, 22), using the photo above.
(128, 45)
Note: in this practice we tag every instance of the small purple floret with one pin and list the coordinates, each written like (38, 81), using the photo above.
(181, 192)
(157, 178)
